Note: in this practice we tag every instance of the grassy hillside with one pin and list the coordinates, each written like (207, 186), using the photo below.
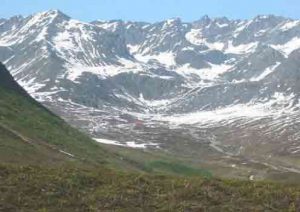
(72, 189)
(30, 134)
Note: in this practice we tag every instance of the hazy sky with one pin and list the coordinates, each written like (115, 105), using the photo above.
(153, 10)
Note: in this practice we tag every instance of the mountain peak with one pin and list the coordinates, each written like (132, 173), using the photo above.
(261, 17)
(16, 18)
(203, 21)
(268, 17)
(222, 19)
(53, 14)
(205, 18)
(173, 20)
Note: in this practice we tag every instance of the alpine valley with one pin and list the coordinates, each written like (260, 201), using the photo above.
(216, 93)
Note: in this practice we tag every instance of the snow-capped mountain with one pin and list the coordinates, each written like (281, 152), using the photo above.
(229, 86)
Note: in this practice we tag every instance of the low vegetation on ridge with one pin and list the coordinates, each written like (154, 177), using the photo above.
(33, 188)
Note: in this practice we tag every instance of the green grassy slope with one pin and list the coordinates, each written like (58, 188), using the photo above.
(30, 134)
(69, 189)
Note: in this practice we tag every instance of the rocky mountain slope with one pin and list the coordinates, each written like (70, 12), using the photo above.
(47, 165)
(227, 88)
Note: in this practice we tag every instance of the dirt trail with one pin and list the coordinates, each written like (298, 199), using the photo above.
(32, 142)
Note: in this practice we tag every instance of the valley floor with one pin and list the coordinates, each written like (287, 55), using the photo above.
(32, 188)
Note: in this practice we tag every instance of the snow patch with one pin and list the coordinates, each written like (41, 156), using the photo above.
(131, 144)
(254, 110)
(110, 26)
(289, 25)
(288, 47)
(133, 48)
(154, 103)
(165, 58)
(211, 73)
(103, 71)
(220, 25)
(195, 37)
(241, 49)
(266, 72)
(107, 141)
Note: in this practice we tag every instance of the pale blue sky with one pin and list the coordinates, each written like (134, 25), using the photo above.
(153, 10)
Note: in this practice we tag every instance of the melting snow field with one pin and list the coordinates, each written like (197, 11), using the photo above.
(255, 110)
(130, 144)
(216, 116)
(241, 49)
(211, 73)
(289, 47)
(266, 72)
(75, 70)
(166, 58)
(289, 25)
(195, 37)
